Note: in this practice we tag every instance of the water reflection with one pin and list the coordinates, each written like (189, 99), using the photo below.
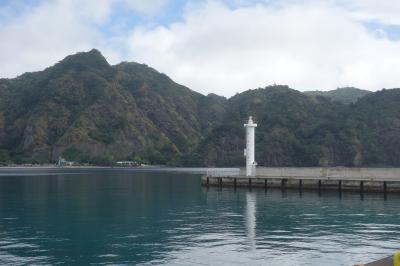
(158, 218)
(251, 219)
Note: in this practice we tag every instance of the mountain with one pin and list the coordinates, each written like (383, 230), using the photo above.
(87, 110)
(84, 109)
(345, 95)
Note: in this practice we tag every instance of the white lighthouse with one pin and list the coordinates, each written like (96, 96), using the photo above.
(250, 149)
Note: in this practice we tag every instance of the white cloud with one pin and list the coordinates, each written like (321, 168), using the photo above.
(215, 48)
(386, 12)
(40, 37)
(222, 50)
(35, 37)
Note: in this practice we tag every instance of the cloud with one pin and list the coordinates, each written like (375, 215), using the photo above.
(224, 50)
(34, 37)
(216, 46)
(43, 34)
(385, 12)
(39, 37)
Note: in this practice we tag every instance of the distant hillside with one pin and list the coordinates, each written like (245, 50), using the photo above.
(345, 95)
(86, 110)
(294, 129)
(300, 130)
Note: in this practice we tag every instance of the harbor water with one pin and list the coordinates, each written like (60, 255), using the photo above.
(126, 217)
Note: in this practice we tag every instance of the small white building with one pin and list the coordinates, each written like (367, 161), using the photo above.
(62, 162)
(127, 163)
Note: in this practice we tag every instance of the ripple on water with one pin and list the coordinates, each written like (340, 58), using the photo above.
(18, 246)
(108, 256)
(136, 219)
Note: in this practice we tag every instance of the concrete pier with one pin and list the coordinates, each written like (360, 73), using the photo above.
(383, 262)
(318, 178)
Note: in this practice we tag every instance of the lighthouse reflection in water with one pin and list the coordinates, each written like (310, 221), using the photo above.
(251, 219)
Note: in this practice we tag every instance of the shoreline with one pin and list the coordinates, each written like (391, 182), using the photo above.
(54, 170)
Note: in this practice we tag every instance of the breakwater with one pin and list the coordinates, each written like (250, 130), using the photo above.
(321, 178)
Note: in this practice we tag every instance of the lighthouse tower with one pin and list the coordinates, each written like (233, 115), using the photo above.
(250, 149)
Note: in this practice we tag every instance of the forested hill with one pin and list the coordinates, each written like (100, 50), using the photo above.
(295, 129)
(86, 110)
(344, 95)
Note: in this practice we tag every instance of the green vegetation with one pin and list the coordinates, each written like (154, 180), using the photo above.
(86, 110)
(72, 154)
(345, 95)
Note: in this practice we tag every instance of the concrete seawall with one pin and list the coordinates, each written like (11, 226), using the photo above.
(333, 178)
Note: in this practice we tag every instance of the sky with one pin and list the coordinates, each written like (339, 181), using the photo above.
(214, 46)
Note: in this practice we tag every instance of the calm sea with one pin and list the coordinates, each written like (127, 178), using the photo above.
(83, 217)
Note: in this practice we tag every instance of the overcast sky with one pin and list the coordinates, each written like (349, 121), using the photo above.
(222, 46)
